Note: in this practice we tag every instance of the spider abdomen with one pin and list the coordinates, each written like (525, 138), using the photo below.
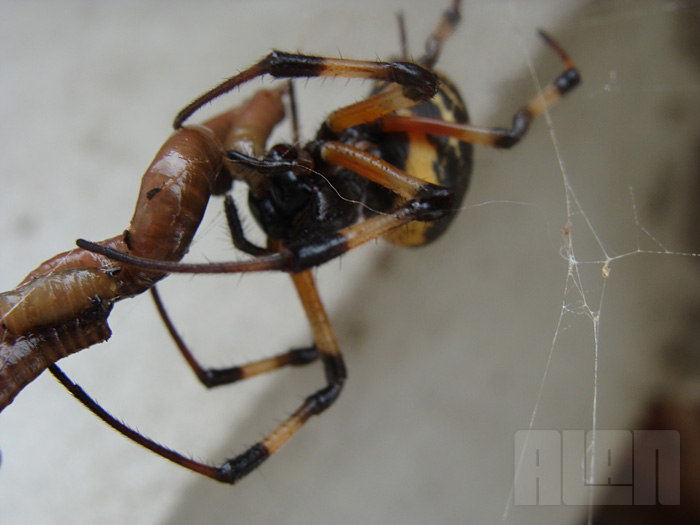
(436, 159)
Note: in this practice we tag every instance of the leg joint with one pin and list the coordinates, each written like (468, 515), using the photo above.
(507, 138)
(567, 81)
(303, 356)
(418, 83)
(432, 203)
(216, 377)
(300, 257)
(321, 400)
(236, 468)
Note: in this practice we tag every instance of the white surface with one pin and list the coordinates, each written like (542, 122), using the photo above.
(446, 347)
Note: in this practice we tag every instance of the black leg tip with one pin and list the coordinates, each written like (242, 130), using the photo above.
(236, 468)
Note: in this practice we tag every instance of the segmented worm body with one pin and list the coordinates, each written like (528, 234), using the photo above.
(62, 306)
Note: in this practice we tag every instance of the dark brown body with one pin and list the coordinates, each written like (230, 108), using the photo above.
(62, 306)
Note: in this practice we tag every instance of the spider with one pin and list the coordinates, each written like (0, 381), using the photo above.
(394, 165)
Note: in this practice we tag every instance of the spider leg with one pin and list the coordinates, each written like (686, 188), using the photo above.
(293, 112)
(123, 429)
(446, 26)
(211, 377)
(403, 38)
(236, 228)
(375, 169)
(264, 263)
(422, 201)
(236, 468)
(414, 83)
(334, 366)
(495, 137)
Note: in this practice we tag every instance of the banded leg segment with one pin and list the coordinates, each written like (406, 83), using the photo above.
(416, 83)
(235, 227)
(298, 257)
(316, 403)
(495, 137)
(236, 468)
(431, 208)
(423, 202)
(129, 432)
(446, 26)
(211, 377)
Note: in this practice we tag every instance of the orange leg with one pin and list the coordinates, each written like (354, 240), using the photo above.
(211, 377)
(236, 468)
(423, 202)
(496, 137)
(316, 403)
(414, 84)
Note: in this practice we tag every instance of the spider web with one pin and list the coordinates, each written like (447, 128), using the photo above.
(614, 244)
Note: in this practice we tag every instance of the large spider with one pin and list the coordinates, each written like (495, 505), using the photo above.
(395, 165)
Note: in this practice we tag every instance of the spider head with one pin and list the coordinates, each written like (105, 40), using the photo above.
(290, 199)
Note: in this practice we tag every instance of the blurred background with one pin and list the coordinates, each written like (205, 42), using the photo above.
(505, 324)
